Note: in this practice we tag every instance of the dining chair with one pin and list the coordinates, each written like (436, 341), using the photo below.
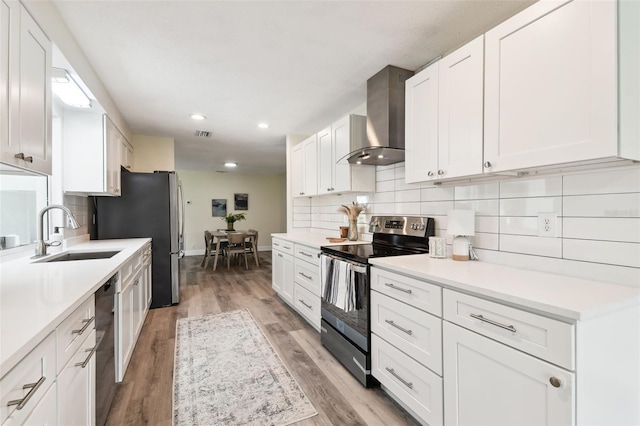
(236, 246)
(251, 245)
(209, 249)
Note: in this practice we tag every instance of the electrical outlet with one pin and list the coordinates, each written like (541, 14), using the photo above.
(547, 224)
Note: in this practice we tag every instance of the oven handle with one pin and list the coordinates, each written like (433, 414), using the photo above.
(360, 268)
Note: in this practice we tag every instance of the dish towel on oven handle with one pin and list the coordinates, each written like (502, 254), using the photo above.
(338, 284)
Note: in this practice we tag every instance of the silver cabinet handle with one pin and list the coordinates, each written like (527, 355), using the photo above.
(28, 159)
(394, 374)
(19, 156)
(487, 164)
(555, 382)
(390, 322)
(86, 361)
(430, 173)
(440, 172)
(86, 322)
(276, 244)
(287, 247)
(136, 282)
(34, 388)
(302, 301)
(398, 288)
(279, 255)
(497, 324)
(306, 276)
(305, 254)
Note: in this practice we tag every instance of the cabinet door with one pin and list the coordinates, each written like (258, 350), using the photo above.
(421, 121)
(310, 158)
(137, 304)
(44, 414)
(488, 383)
(297, 170)
(287, 278)
(277, 265)
(460, 111)
(112, 156)
(125, 338)
(550, 85)
(341, 139)
(9, 12)
(77, 387)
(325, 164)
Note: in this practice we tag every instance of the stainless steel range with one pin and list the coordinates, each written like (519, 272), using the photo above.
(345, 327)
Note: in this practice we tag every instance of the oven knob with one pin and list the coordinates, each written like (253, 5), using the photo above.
(422, 227)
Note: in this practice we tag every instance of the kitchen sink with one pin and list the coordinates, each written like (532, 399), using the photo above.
(80, 255)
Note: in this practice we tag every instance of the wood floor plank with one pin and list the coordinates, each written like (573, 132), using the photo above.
(146, 394)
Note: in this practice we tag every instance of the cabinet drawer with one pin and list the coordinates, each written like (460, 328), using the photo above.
(543, 337)
(131, 268)
(309, 254)
(308, 276)
(420, 294)
(146, 255)
(411, 330)
(38, 367)
(307, 304)
(282, 245)
(416, 386)
(73, 331)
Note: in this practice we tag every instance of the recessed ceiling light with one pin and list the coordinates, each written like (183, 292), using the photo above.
(230, 164)
(263, 125)
(197, 116)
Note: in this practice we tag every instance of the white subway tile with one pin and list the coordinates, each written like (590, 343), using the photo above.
(400, 185)
(301, 216)
(431, 208)
(520, 225)
(301, 224)
(441, 221)
(408, 209)
(612, 253)
(382, 168)
(383, 197)
(385, 186)
(541, 187)
(383, 209)
(383, 175)
(480, 207)
(487, 224)
(603, 182)
(436, 193)
(400, 170)
(626, 229)
(412, 195)
(477, 192)
(485, 241)
(301, 209)
(530, 206)
(551, 247)
(602, 205)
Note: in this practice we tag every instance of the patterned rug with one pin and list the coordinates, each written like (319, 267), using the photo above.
(227, 373)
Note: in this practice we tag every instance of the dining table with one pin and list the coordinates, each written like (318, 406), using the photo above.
(221, 235)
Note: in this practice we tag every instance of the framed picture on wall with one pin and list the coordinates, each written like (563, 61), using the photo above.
(241, 201)
(219, 207)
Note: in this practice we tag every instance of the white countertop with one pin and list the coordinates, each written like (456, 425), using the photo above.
(313, 240)
(565, 296)
(36, 297)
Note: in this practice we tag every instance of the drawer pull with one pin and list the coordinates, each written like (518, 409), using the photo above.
(279, 255)
(555, 382)
(34, 388)
(305, 254)
(86, 322)
(390, 322)
(497, 324)
(302, 301)
(287, 247)
(136, 282)
(305, 275)
(394, 374)
(398, 288)
(86, 361)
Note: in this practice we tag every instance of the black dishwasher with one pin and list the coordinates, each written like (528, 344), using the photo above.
(105, 354)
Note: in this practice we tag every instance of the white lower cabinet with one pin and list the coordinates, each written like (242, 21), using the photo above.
(282, 275)
(489, 383)
(44, 413)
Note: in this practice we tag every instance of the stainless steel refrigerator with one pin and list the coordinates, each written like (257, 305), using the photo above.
(152, 206)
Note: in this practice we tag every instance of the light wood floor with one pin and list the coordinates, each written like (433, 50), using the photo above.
(145, 396)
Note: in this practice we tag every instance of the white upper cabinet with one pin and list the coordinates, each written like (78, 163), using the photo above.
(25, 95)
(305, 168)
(443, 107)
(126, 154)
(91, 154)
(336, 175)
(551, 86)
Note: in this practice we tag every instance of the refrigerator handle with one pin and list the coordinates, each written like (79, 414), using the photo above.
(181, 216)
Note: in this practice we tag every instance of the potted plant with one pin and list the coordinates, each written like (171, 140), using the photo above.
(231, 218)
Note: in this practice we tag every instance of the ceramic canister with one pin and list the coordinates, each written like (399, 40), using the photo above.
(438, 247)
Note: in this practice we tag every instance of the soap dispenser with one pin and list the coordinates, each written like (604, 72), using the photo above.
(55, 240)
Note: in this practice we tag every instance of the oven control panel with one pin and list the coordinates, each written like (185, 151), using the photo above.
(402, 225)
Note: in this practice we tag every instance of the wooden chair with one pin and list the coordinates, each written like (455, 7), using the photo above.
(236, 246)
(251, 245)
(209, 249)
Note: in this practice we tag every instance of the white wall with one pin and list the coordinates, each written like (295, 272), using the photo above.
(598, 235)
(151, 153)
(267, 204)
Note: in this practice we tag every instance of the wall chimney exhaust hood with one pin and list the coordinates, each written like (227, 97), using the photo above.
(385, 119)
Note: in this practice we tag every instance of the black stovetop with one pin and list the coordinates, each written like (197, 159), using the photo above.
(362, 252)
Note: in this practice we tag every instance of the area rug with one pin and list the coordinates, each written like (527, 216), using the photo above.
(227, 373)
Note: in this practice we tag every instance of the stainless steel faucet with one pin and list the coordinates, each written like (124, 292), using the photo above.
(41, 244)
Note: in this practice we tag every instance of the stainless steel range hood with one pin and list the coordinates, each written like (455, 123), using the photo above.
(385, 119)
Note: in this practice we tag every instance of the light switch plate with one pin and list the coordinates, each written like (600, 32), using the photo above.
(547, 225)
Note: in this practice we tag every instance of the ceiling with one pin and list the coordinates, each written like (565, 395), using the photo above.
(297, 65)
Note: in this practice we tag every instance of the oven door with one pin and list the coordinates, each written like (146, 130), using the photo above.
(345, 298)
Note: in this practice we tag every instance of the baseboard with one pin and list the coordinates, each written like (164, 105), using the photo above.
(200, 252)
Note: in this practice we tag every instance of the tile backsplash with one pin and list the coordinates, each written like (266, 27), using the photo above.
(597, 226)
(78, 206)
